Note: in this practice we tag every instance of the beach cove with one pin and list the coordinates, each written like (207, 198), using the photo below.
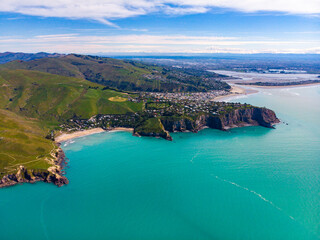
(63, 137)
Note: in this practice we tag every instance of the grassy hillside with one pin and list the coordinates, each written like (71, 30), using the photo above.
(34, 103)
(122, 75)
(56, 98)
(23, 142)
(152, 125)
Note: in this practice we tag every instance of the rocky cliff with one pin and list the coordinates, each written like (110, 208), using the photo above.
(152, 128)
(252, 116)
(51, 175)
(163, 134)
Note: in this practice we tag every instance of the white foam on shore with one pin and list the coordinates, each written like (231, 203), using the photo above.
(266, 93)
(228, 99)
(66, 143)
(289, 91)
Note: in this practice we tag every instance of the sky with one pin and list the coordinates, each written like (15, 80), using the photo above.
(160, 26)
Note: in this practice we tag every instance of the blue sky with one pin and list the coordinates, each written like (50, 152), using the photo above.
(160, 26)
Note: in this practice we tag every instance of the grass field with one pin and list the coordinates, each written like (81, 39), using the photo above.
(152, 125)
(56, 98)
(23, 142)
(33, 103)
(118, 99)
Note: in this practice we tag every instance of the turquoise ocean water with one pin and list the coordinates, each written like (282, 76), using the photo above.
(247, 183)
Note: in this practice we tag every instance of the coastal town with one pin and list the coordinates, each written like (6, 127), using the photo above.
(157, 105)
(185, 96)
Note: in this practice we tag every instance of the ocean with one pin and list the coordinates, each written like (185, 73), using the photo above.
(246, 183)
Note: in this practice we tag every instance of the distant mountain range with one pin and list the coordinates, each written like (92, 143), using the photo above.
(11, 56)
(121, 74)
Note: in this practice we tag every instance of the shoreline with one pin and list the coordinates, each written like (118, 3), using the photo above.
(54, 174)
(120, 129)
(285, 86)
(242, 90)
(236, 90)
(77, 134)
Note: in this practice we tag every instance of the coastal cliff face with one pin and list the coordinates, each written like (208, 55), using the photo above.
(23, 175)
(236, 118)
(50, 175)
(163, 134)
(178, 125)
(152, 127)
(244, 117)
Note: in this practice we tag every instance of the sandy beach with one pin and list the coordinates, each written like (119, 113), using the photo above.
(235, 91)
(288, 86)
(68, 136)
(121, 129)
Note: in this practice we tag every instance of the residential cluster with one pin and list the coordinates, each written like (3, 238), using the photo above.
(158, 105)
(185, 96)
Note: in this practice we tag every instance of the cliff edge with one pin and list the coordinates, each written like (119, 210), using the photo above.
(252, 116)
(51, 175)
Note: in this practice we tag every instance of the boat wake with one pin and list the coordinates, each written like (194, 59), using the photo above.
(194, 156)
(255, 193)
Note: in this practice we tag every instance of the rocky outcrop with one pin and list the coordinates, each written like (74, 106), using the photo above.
(152, 127)
(240, 117)
(252, 116)
(24, 175)
(51, 175)
(163, 134)
(182, 124)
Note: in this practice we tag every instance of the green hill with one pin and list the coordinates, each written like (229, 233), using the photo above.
(34, 103)
(122, 75)
(55, 98)
(23, 142)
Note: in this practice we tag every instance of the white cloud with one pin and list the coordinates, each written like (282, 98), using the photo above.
(68, 43)
(184, 10)
(286, 6)
(107, 10)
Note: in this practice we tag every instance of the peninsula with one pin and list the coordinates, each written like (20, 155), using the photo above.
(280, 84)
(37, 108)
